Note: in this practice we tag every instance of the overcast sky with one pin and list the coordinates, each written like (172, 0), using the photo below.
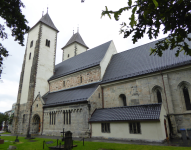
(66, 15)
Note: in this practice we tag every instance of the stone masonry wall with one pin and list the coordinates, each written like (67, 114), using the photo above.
(141, 91)
(72, 80)
(79, 120)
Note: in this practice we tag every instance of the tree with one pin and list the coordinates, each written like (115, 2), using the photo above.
(10, 11)
(149, 16)
(3, 117)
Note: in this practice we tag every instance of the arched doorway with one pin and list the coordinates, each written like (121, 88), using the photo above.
(36, 124)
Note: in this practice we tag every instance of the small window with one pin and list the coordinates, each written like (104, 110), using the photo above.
(68, 55)
(64, 84)
(23, 118)
(105, 127)
(64, 117)
(81, 79)
(48, 43)
(135, 128)
(186, 98)
(31, 44)
(50, 118)
(29, 56)
(37, 105)
(123, 98)
(159, 97)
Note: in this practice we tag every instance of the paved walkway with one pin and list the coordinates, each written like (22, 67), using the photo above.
(173, 142)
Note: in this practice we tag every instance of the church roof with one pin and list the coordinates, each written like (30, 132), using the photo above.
(47, 21)
(127, 113)
(76, 38)
(137, 61)
(82, 61)
(68, 96)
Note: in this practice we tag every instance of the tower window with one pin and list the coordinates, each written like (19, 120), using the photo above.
(23, 118)
(123, 98)
(48, 43)
(29, 56)
(81, 79)
(64, 84)
(68, 55)
(31, 44)
(186, 98)
(159, 97)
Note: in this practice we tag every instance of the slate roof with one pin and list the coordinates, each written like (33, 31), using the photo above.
(127, 113)
(82, 61)
(69, 96)
(76, 38)
(48, 21)
(137, 61)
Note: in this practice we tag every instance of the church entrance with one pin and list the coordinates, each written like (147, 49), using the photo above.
(36, 124)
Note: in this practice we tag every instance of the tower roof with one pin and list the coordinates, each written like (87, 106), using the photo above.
(76, 38)
(47, 21)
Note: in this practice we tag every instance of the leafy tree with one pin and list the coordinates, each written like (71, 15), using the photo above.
(10, 11)
(3, 117)
(10, 120)
(149, 16)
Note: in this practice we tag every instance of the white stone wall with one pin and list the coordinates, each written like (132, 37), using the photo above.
(46, 60)
(32, 36)
(105, 61)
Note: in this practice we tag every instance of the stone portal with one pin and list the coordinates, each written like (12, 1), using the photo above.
(36, 124)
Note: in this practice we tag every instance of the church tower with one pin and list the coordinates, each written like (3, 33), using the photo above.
(74, 46)
(38, 67)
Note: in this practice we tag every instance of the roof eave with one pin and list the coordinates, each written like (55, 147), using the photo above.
(140, 120)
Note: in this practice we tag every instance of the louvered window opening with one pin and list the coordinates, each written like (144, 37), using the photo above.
(187, 98)
(135, 128)
(105, 127)
(67, 117)
(159, 97)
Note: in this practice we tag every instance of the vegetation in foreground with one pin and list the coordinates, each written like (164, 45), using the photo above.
(37, 144)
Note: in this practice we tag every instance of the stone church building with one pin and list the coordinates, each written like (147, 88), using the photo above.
(101, 93)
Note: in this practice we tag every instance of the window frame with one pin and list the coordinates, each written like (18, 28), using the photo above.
(105, 128)
(133, 126)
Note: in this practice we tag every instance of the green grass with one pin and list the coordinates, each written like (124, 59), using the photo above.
(6, 133)
(38, 145)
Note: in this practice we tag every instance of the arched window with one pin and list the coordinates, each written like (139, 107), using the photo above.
(123, 98)
(29, 56)
(159, 97)
(186, 98)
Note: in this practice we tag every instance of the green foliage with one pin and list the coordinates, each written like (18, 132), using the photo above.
(10, 120)
(149, 16)
(10, 11)
(3, 117)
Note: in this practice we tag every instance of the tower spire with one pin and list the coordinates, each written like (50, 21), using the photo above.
(47, 10)
(78, 28)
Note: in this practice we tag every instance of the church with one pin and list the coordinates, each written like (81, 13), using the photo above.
(100, 93)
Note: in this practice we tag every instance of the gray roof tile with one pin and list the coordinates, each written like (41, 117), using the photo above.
(127, 113)
(82, 61)
(137, 61)
(46, 20)
(69, 96)
(76, 38)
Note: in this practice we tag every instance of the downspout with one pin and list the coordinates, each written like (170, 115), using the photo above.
(102, 98)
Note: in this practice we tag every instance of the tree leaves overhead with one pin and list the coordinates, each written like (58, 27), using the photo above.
(10, 11)
(149, 16)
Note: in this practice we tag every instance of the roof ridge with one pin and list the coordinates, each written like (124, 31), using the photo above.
(131, 106)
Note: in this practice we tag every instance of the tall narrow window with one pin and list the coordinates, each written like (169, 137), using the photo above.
(47, 43)
(67, 117)
(23, 118)
(50, 118)
(159, 97)
(81, 79)
(64, 117)
(63, 83)
(31, 44)
(68, 55)
(29, 56)
(187, 98)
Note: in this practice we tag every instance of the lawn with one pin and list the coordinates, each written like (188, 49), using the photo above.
(37, 144)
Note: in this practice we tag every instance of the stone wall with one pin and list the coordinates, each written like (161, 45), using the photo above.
(141, 90)
(79, 120)
(72, 80)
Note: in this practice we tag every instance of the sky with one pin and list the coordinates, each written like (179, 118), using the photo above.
(67, 15)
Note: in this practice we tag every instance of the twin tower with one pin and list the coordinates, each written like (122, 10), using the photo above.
(39, 64)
